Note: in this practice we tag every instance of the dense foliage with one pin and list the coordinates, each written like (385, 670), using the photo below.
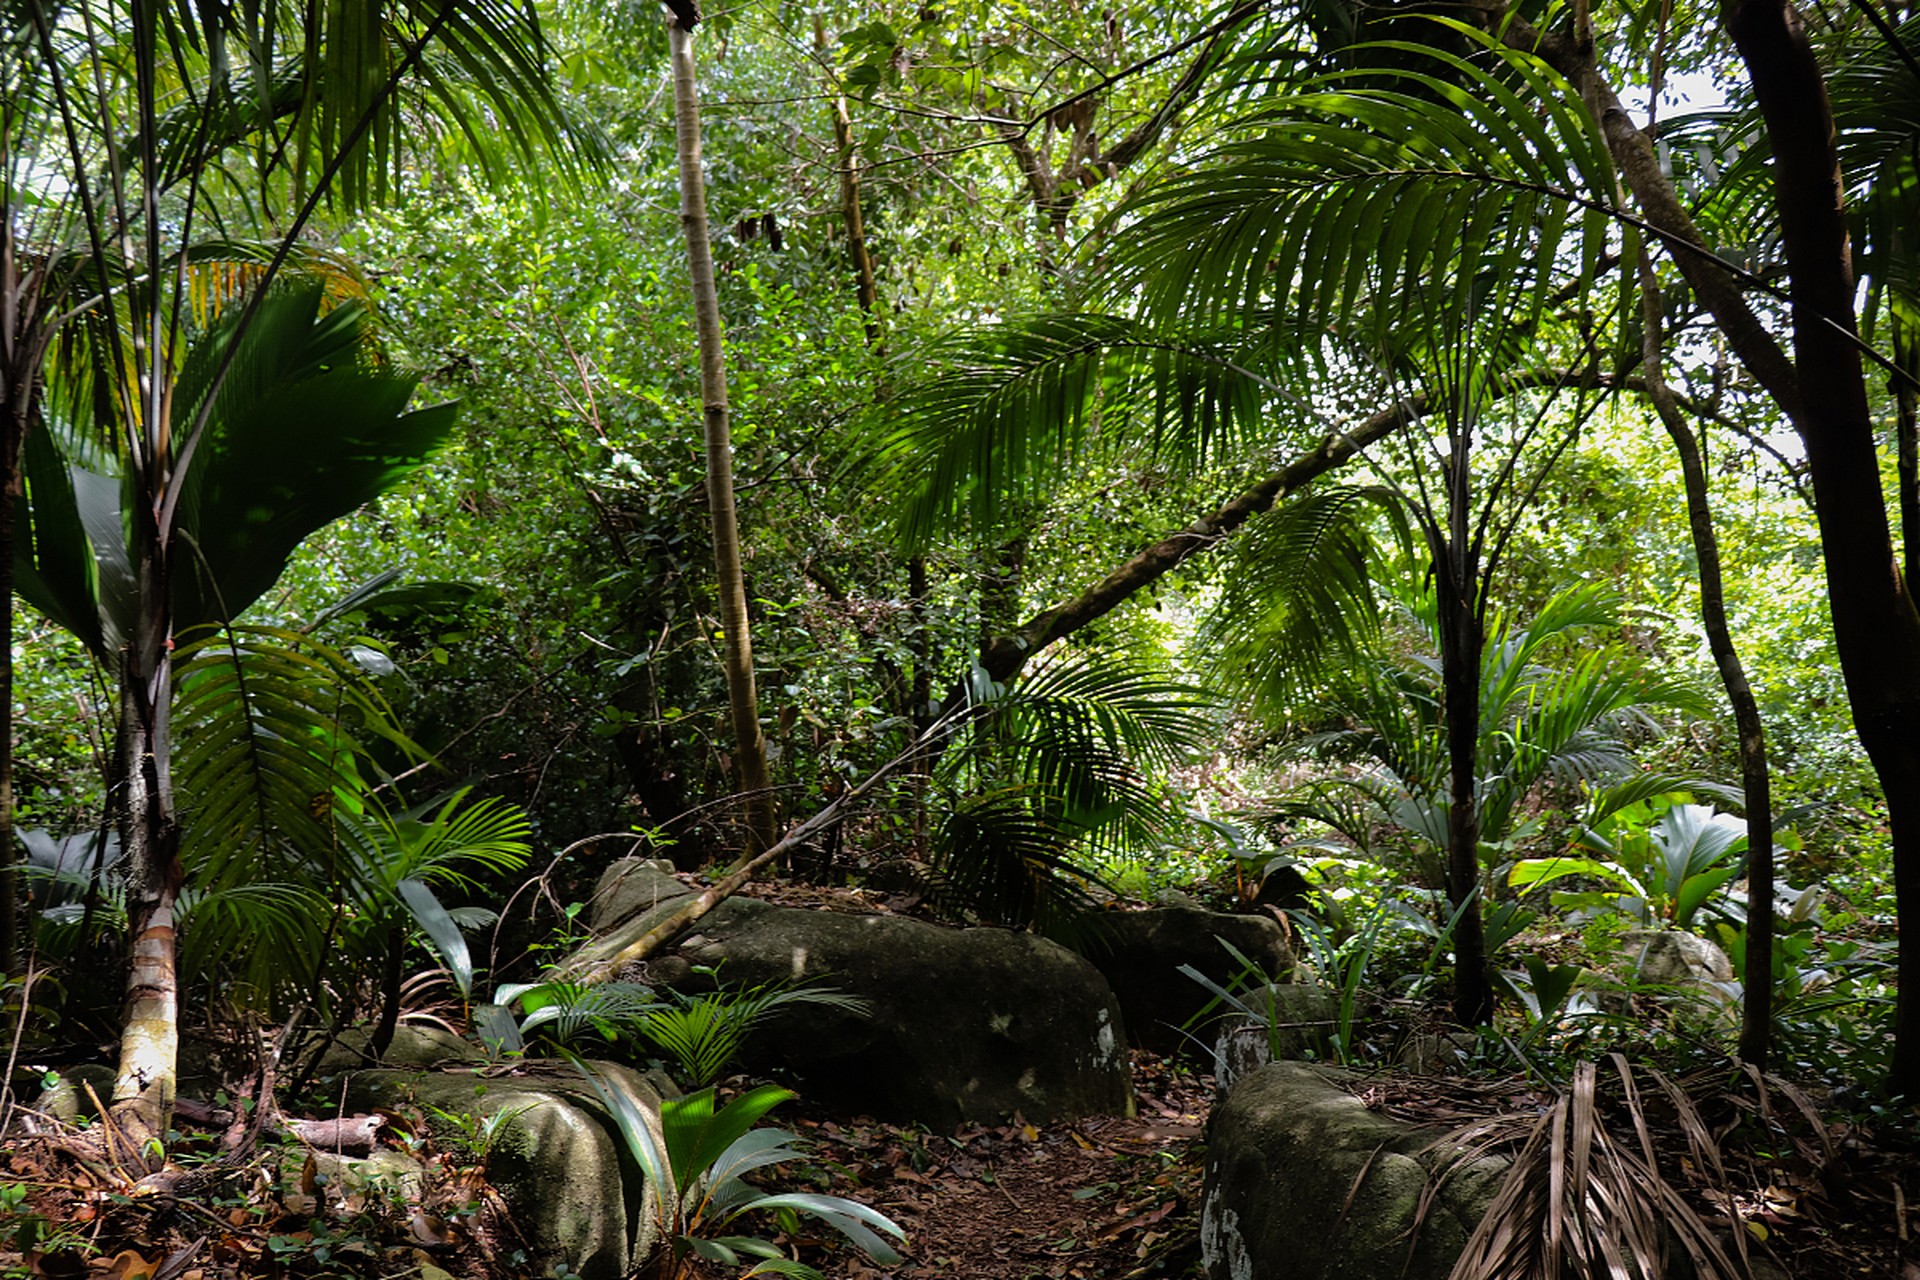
(1172, 453)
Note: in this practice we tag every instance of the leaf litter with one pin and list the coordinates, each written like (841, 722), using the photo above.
(1102, 1198)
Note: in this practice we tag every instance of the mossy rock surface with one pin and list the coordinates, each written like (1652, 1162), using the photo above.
(961, 1024)
(1297, 1021)
(1304, 1182)
(574, 1192)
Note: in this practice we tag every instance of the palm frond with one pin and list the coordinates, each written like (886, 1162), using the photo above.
(1359, 190)
(999, 861)
(1580, 1203)
(305, 429)
(1876, 108)
(274, 738)
(991, 416)
(1299, 594)
(251, 939)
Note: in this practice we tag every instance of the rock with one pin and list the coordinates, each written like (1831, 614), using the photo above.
(390, 1177)
(1297, 1021)
(634, 895)
(1427, 1054)
(1674, 957)
(66, 1099)
(1285, 888)
(631, 886)
(964, 1024)
(574, 1192)
(1140, 953)
(414, 1045)
(1284, 1152)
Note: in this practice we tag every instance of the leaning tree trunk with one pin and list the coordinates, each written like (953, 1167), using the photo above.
(750, 748)
(1756, 1020)
(1821, 390)
(1875, 625)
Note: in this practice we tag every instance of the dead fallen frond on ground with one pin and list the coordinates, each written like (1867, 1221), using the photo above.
(1593, 1192)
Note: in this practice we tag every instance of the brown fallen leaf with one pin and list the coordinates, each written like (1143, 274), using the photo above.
(125, 1265)
(426, 1228)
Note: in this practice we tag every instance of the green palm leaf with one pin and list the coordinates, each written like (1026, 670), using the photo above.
(1358, 191)
(991, 415)
(1299, 596)
(274, 735)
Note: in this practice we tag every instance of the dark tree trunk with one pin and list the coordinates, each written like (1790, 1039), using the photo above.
(1457, 588)
(1875, 625)
(1756, 1020)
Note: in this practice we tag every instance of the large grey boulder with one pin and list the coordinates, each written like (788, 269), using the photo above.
(1140, 954)
(961, 1025)
(1304, 1182)
(556, 1158)
(1296, 1020)
(633, 895)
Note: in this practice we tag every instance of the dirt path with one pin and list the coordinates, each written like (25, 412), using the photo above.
(1100, 1199)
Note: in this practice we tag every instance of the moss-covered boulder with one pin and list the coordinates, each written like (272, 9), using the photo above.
(1303, 1181)
(1296, 1021)
(960, 1025)
(556, 1157)
(1140, 954)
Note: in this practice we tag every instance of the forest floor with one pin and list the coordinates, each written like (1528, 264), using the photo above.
(1098, 1199)
(1103, 1198)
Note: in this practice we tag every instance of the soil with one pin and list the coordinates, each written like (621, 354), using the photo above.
(1105, 1198)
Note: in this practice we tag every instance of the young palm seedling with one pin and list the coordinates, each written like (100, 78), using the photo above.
(695, 1160)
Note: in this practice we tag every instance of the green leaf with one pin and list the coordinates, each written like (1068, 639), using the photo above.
(445, 934)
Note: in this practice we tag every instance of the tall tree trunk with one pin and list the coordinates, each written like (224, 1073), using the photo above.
(150, 834)
(1756, 1018)
(1875, 625)
(1906, 354)
(1822, 391)
(743, 703)
(1462, 643)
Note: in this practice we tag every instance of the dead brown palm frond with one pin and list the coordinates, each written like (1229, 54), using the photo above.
(1578, 1203)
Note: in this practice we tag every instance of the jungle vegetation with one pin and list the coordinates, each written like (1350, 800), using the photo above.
(1464, 456)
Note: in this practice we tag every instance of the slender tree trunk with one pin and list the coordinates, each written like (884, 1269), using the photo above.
(1875, 625)
(1822, 391)
(1756, 1019)
(150, 834)
(1462, 642)
(1000, 580)
(847, 162)
(15, 428)
(1906, 354)
(750, 748)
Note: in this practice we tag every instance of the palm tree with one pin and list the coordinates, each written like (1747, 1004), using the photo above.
(143, 113)
(1549, 711)
(305, 428)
